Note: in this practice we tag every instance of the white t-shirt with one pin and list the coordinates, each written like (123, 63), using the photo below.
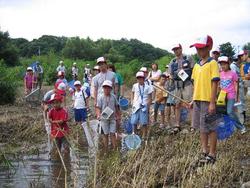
(61, 68)
(155, 74)
(79, 102)
(149, 83)
(141, 93)
(74, 70)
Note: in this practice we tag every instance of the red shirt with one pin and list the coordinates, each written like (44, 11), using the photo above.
(56, 129)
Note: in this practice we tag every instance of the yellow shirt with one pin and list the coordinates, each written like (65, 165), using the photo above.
(203, 75)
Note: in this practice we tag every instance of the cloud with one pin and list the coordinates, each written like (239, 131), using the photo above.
(158, 22)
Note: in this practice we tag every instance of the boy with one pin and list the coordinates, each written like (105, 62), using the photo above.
(108, 102)
(80, 102)
(58, 118)
(160, 100)
(141, 100)
(205, 76)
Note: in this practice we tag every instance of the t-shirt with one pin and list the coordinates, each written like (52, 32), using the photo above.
(155, 74)
(61, 68)
(203, 75)
(30, 79)
(120, 82)
(108, 101)
(56, 129)
(101, 77)
(234, 67)
(159, 94)
(78, 98)
(149, 83)
(74, 71)
(227, 81)
(141, 94)
(179, 62)
(62, 80)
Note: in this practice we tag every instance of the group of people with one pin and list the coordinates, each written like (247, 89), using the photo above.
(184, 84)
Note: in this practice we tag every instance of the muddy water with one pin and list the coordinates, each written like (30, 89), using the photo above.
(40, 171)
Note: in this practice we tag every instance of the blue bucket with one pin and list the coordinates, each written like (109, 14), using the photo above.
(132, 141)
(123, 102)
(127, 125)
(226, 128)
(183, 115)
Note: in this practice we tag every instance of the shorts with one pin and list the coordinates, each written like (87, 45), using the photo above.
(108, 126)
(170, 100)
(159, 106)
(185, 93)
(80, 115)
(140, 117)
(200, 109)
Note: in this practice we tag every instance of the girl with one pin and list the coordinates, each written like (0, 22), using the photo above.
(30, 81)
(229, 84)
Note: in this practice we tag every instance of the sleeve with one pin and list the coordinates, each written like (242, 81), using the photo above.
(50, 114)
(235, 76)
(170, 67)
(57, 69)
(233, 67)
(191, 60)
(95, 82)
(133, 88)
(99, 102)
(193, 73)
(121, 79)
(116, 79)
(215, 74)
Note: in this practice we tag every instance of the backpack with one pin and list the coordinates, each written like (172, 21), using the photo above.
(186, 66)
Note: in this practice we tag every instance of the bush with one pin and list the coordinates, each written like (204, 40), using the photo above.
(7, 85)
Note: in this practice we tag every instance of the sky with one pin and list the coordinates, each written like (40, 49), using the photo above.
(161, 23)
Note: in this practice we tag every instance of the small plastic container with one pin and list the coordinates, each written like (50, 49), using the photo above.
(132, 141)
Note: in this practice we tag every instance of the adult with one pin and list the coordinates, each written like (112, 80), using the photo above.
(38, 70)
(181, 65)
(61, 67)
(245, 70)
(236, 66)
(104, 74)
(74, 71)
(96, 70)
(216, 54)
(120, 93)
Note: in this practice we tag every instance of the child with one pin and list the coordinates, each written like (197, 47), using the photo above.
(58, 118)
(229, 83)
(141, 100)
(170, 86)
(60, 89)
(61, 78)
(160, 100)
(80, 102)
(105, 102)
(205, 76)
(30, 81)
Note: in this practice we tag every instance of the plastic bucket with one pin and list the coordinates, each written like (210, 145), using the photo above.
(225, 128)
(127, 125)
(132, 141)
(123, 103)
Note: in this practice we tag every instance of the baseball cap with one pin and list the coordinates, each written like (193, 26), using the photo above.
(55, 97)
(144, 69)
(216, 50)
(140, 74)
(223, 59)
(167, 66)
(107, 83)
(60, 88)
(241, 52)
(61, 62)
(100, 59)
(203, 41)
(29, 69)
(74, 63)
(175, 46)
(96, 67)
(77, 83)
(60, 73)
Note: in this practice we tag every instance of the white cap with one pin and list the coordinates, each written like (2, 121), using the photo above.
(96, 67)
(87, 64)
(176, 46)
(216, 50)
(167, 66)
(202, 42)
(100, 59)
(29, 69)
(62, 86)
(223, 59)
(60, 73)
(61, 62)
(144, 69)
(241, 52)
(140, 74)
(77, 83)
(107, 83)
(74, 63)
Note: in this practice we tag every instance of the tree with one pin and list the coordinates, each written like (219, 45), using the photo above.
(227, 49)
(8, 52)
